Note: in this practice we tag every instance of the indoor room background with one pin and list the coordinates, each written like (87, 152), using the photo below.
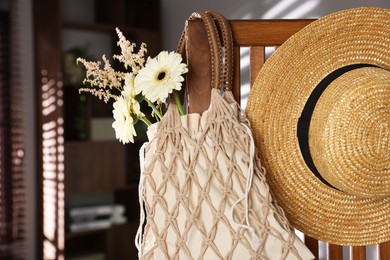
(173, 14)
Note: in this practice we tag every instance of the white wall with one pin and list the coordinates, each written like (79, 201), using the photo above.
(175, 12)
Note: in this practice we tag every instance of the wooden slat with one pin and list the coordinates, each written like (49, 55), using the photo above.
(334, 252)
(358, 252)
(199, 65)
(384, 251)
(265, 32)
(247, 33)
(257, 58)
(312, 244)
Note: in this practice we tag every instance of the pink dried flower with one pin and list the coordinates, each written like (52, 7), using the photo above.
(130, 59)
(102, 80)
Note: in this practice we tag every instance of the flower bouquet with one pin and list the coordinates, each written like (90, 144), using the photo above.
(146, 79)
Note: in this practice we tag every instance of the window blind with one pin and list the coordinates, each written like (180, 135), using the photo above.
(11, 145)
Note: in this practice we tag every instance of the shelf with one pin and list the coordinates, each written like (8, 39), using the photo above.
(105, 27)
(70, 235)
(152, 38)
(93, 167)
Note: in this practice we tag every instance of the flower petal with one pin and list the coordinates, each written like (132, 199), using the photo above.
(151, 85)
(124, 123)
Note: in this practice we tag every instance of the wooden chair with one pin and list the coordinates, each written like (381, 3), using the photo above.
(256, 35)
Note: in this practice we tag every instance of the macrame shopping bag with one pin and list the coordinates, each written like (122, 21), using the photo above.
(202, 185)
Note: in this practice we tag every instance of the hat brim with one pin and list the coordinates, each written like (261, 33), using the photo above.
(276, 101)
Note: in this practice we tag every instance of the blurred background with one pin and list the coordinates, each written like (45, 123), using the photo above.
(68, 189)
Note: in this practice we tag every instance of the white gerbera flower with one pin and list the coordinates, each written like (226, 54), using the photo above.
(129, 94)
(161, 76)
(129, 88)
(124, 123)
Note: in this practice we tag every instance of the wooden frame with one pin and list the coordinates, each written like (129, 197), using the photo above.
(257, 35)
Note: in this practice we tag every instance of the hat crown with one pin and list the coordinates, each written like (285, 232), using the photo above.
(349, 133)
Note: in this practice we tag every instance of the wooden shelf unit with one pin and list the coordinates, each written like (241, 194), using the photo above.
(87, 166)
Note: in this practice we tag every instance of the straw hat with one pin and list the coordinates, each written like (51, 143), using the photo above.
(320, 115)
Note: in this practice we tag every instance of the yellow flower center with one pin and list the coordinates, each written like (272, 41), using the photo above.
(161, 75)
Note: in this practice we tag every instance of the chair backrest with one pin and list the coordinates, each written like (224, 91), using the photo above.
(256, 35)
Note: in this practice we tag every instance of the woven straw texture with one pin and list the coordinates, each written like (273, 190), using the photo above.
(342, 157)
(349, 130)
(196, 169)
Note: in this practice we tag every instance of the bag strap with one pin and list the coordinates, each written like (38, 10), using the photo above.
(214, 43)
(227, 43)
(215, 46)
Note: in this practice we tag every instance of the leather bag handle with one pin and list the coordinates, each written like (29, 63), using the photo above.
(218, 32)
(227, 43)
(215, 45)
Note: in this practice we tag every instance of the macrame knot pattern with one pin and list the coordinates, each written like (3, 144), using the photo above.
(205, 187)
